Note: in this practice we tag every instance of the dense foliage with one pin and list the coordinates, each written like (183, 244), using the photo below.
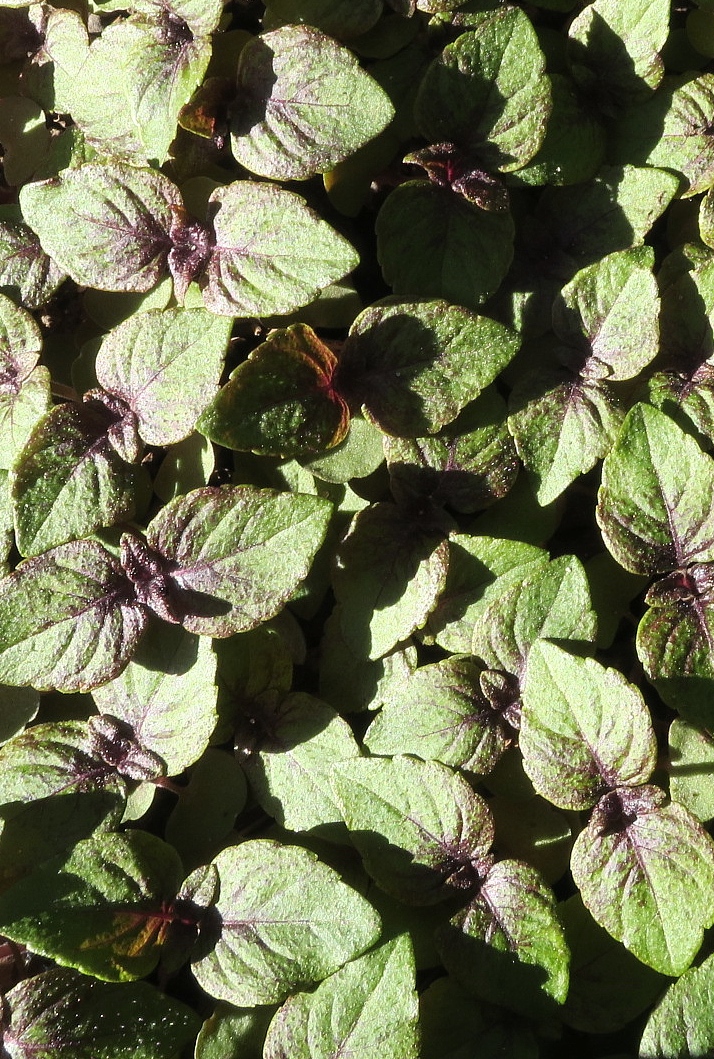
(357, 529)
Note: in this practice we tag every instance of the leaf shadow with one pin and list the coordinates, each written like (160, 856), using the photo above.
(251, 104)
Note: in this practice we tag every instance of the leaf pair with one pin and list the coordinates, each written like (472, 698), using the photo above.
(644, 866)
(213, 560)
(115, 227)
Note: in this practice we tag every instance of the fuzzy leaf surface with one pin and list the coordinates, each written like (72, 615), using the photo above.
(681, 1026)
(26, 271)
(281, 400)
(508, 945)
(645, 870)
(106, 225)
(488, 92)
(583, 728)
(61, 1008)
(368, 1007)
(657, 496)
(272, 253)
(423, 833)
(412, 364)
(227, 548)
(286, 921)
(68, 619)
(101, 909)
(294, 119)
(147, 359)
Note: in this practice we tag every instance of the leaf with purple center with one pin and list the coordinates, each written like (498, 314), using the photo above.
(422, 831)
(584, 728)
(645, 869)
(508, 945)
(24, 386)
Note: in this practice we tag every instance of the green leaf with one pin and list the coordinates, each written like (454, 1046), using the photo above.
(68, 480)
(233, 1033)
(608, 986)
(294, 119)
(480, 569)
(187, 465)
(680, 109)
(272, 253)
(657, 494)
(54, 791)
(674, 641)
(107, 225)
(357, 456)
(102, 1021)
(508, 946)
(614, 49)
(432, 242)
(562, 424)
(281, 400)
(488, 92)
(104, 909)
(645, 870)
(691, 779)
(286, 921)
(442, 715)
(411, 364)
(27, 274)
(287, 749)
(25, 139)
(680, 1027)
(389, 573)
(226, 548)
(207, 807)
(584, 728)
(423, 833)
(451, 1020)
(146, 360)
(551, 602)
(531, 829)
(369, 1007)
(68, 619)
(612, 589)
(167, 694)
(24, 387)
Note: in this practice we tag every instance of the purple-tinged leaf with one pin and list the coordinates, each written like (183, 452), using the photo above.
(388, 575)
(69, 619)
(26, 272)
(272, 253)
(443, 715)
(656, 501)
(412, 365)
(232, 557)
(508, 946)
(68, 480)
(448, 167)
(61, 1010)
(107, 225)
(24, 387)
(281, 401)
(584, 728)
(423, 833)
(675, 640)
(645, 870)
(105, 909)
(293, 119)
(466, 466)
(147, 359)
(681, 1027)
(551, 602)
(286, 921)
(167, 694)
(488, 91)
